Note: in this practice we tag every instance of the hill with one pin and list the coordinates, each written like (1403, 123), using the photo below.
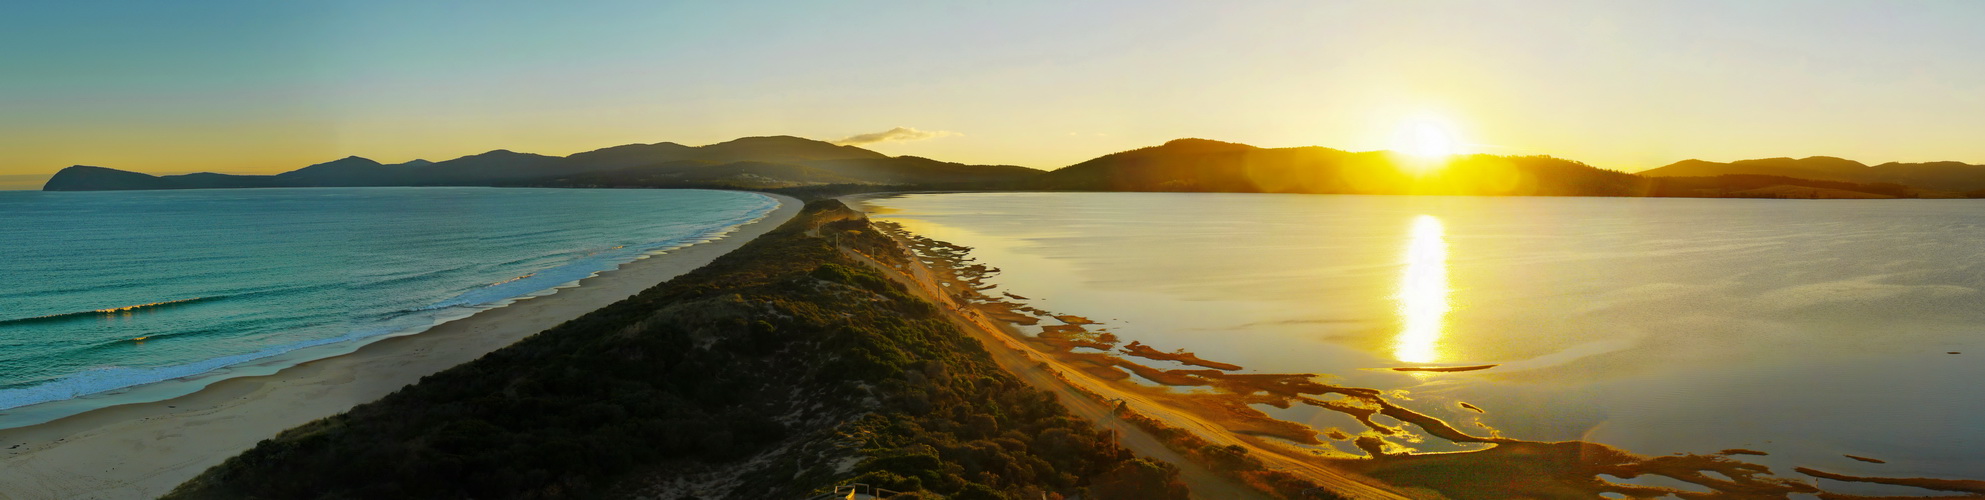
(1937, 176)
(700, 173)
(751, 162)
(898, 171)
(1771, 186)
(88, 178)
(1214, 166)
(809, 168)
(1200, 165)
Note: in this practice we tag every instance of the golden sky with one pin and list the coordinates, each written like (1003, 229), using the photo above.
(257, 87)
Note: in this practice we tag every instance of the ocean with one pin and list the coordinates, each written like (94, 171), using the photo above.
(101, 292)
(1809, 330)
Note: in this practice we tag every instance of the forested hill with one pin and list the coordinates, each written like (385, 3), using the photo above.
(1941, 176)
(751, 162)
(1199, 165)
(1214, 166)
(777, 372)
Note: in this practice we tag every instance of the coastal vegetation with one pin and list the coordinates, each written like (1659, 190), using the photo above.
(1233, 461)
(781, 370)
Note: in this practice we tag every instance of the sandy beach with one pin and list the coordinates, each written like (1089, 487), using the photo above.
(143, 450)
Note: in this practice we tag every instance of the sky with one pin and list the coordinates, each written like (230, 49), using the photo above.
(262, 87)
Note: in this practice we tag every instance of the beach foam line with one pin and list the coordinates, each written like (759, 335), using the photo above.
(388, 280)
(126, 342)
(106, 311)
(591, 264)
(107, 379)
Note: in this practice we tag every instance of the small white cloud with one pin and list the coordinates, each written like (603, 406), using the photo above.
(898, 134)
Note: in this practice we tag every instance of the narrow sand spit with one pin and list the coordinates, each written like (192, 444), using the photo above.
(143, 450)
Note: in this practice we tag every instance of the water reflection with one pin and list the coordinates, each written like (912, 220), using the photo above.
(1657, 326)
(1423, 293)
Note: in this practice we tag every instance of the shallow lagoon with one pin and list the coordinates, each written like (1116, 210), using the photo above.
(1807, 329)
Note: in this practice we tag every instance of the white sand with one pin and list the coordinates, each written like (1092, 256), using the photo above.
(143, 450)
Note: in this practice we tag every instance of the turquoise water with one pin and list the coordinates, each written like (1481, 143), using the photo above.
(107, 290)
(1807, 329)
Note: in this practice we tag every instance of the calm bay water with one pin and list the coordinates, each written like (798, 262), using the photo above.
(107, 290)
(1806, 329)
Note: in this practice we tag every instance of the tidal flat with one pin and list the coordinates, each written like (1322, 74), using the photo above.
(1805, 331)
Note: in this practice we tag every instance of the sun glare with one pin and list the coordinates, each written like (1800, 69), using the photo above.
(1425, 137)
(1423, 293)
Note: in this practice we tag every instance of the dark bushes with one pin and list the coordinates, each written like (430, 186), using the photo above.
(725, 363)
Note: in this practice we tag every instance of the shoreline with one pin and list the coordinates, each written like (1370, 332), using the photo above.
(284, 356)
(1096, 401)
(948, 274)
(144, 449)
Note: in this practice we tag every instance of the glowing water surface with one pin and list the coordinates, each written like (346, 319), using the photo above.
(1806, 329)
(1423, 293)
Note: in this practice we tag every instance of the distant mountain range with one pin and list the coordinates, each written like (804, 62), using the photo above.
(751, 162)
(1940, 176)
(1193, 165)
(1215, 166)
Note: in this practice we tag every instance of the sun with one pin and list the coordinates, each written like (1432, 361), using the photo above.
(1426, 138)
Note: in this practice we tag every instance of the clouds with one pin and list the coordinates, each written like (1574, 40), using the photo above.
(898, 134)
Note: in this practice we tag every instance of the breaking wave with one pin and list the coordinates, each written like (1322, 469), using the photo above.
(106, 311)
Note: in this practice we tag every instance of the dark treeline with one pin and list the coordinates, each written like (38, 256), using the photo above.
(1944, 176)
(1772, 186)
(778, 371)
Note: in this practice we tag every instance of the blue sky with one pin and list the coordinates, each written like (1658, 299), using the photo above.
(269, 86)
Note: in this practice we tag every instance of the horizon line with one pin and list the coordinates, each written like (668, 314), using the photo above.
(823, 141)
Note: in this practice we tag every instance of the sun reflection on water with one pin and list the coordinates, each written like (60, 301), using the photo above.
(1423, 293)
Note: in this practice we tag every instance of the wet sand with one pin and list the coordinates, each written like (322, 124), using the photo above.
(143, 450)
